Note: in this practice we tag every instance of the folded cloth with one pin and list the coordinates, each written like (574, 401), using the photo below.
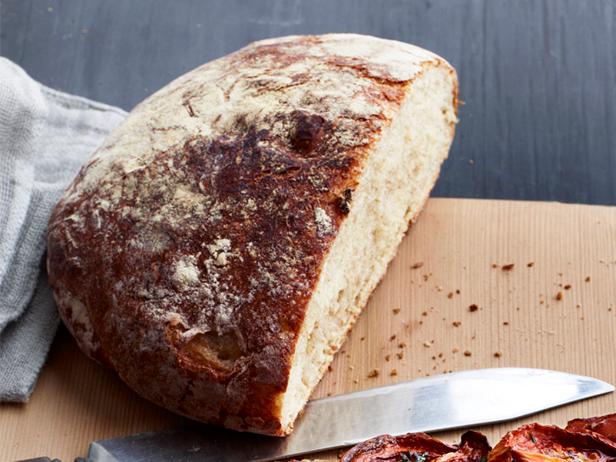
(45, 136)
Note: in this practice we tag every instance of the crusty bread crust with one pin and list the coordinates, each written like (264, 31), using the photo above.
(185, 252)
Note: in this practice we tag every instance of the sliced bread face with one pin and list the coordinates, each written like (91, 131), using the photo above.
(392, 188)
(220, 244)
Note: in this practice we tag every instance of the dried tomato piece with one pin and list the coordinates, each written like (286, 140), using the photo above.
(419, 447)
(604, 425)
(536, 443)
(474, 447)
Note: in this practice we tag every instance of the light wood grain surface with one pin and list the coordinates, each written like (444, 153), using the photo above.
(456, 245)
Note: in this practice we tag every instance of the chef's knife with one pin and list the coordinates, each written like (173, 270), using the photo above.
(441, 402)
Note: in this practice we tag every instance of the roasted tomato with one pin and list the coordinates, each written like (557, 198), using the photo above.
(419, 447)
(604, 425)
(583, 440)
(539, 443)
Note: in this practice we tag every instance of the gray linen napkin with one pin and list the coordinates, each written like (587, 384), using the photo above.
(45, 136)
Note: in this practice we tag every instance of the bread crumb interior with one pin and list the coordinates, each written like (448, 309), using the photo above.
(395, 183)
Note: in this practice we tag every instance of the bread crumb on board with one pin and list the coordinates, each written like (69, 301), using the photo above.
(508, 267)
(467, 353)
(373, 373)
(473, 307)
(417, 265)
(558, 296)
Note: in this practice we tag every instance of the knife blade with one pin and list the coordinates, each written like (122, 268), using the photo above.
(440, 402)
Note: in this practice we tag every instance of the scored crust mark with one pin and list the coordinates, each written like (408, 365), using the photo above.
(196, 247)
(189, 108)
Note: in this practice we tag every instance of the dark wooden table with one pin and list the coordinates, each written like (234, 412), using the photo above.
(538, 78)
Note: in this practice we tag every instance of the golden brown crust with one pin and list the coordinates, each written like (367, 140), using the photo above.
(185, 253)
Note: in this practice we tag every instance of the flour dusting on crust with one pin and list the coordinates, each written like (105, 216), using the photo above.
(324, 222)
(195, 235)
(186, 272)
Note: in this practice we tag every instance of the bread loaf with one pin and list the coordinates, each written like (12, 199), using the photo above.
(220, 244)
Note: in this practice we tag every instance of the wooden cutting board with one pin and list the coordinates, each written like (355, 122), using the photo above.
(542, 277)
